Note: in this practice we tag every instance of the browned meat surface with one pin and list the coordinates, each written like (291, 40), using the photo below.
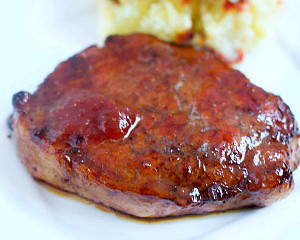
(153, 129)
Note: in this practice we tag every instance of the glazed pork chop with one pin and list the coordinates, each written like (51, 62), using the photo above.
(153, 129)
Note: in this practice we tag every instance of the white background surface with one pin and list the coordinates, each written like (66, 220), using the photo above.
(35, 37)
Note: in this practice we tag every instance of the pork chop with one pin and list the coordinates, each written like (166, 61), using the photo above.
(153, 129)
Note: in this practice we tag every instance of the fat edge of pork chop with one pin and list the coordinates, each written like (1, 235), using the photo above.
(179, 131)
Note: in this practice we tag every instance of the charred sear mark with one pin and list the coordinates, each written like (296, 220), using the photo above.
(78, 67)
(10, 122)
(40, 133)
(75, 140)
(19, 100)
(37, 135)
(110, 38)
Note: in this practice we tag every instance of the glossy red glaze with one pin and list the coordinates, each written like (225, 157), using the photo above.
(154, 118)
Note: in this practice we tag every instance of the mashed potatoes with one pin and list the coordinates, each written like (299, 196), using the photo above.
(232, 27)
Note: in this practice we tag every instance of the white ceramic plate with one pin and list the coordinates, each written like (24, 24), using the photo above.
(36, 36)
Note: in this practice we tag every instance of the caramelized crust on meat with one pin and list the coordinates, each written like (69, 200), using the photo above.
(153, 129)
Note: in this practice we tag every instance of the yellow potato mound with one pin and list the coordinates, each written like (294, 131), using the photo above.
(232, 27)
